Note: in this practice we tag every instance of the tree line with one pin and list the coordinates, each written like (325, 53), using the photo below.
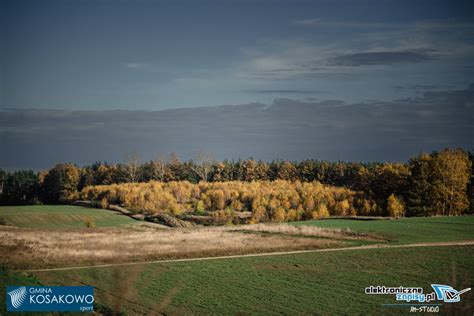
(440, 183)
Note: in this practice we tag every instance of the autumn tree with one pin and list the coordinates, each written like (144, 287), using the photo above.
(222, 172)
(279, 215)
(248, 170)
(286, 171)
(438, 183)
(104, 173)
(261, 171)
(451, 171)
(395, 207)
(217, 198)
(61, 183)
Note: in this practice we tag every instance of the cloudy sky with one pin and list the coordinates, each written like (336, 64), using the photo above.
(143, 56)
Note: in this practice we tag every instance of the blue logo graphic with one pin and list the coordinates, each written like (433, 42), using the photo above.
(50, 298)
(447, 294)
(17, 296)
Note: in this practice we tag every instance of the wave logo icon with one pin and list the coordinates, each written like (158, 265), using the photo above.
(17, 296)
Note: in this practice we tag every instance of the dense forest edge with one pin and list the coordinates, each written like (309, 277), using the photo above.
(251, 191)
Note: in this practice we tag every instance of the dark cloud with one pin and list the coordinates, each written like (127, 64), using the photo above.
(381, 58)
(283, 91)
(287, 129)
(417, 88)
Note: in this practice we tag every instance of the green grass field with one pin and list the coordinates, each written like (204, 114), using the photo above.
(325, 283)
(316, 283)
(60, 216)
(407, 230)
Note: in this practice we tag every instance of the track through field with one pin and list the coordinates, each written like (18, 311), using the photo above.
(265, 254)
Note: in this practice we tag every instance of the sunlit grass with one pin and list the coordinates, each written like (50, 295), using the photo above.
(60, 216)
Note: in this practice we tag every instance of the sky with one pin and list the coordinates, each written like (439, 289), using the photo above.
(140, 56)
(152, 55)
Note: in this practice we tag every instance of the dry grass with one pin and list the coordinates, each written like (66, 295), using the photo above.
(286, 229)
(27, 248)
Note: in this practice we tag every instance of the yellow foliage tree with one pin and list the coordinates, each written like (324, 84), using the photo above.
(395, 206)
(267, 200)
(279, 215)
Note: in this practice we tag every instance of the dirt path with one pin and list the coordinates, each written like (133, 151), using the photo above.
(264, 254)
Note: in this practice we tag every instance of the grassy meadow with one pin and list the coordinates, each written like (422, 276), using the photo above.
(406, 230)
(325, 283)
(60, 217)
(330, 282)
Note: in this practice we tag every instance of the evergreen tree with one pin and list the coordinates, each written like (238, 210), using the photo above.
(420, 193)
